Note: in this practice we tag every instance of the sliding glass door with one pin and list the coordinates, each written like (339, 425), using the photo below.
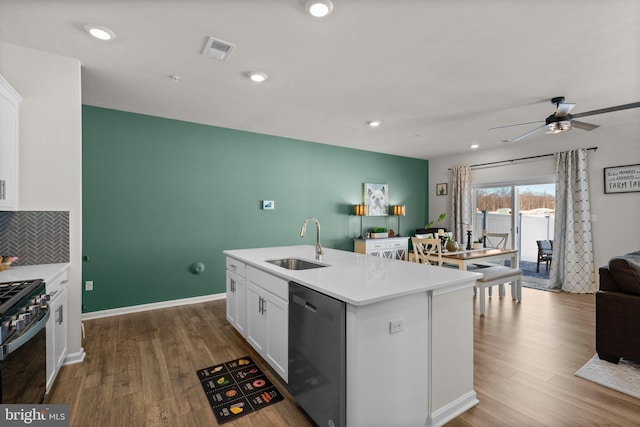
(524, 210)
(494, 207)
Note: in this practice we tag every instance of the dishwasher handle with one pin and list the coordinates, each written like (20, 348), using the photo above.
(304, 303)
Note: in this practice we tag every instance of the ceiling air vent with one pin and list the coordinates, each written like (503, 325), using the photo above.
(217, 49)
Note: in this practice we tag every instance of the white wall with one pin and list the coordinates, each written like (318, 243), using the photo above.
(51, 151)
(616, 230)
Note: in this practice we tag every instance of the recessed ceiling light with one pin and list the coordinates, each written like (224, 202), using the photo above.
(257, 76)
(99, 32)
(474, 146)
(319, 8)
(374, 123)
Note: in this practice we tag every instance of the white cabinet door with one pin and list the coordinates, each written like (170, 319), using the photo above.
(60, 318)
(256, 318)
(236, 302)
(56, 326)
(51, 344)
(9, 106)
(268, 328)
(277, 352)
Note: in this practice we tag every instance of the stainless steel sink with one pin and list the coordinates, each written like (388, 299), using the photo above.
(295, 263)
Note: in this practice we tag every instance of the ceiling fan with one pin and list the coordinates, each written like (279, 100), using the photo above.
(562, 121)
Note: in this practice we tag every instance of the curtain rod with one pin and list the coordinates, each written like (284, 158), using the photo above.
(521, 158)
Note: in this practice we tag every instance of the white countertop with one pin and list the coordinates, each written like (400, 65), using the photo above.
(45, 272)
(356, 279)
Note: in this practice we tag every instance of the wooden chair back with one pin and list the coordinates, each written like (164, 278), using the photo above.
(427, 251)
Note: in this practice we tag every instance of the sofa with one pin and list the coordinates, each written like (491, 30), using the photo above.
(618, 309)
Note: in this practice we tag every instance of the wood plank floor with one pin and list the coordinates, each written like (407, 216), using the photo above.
(140, 368)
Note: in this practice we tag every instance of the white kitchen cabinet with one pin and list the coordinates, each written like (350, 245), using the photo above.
(267, 327)
(9, 124)
(236, 301)
(56, 326)
(257, 306)
(391, 247)
(236, 295)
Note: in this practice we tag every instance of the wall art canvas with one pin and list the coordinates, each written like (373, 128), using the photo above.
(376, 197)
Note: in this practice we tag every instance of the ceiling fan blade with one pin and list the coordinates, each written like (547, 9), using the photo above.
(523, 136)
(516, 124)
(564, 108)
(583, 125)
(607, 110)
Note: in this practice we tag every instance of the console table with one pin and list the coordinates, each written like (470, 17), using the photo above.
(389, 247)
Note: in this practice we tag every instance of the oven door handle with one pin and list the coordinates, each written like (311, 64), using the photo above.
(12, 346)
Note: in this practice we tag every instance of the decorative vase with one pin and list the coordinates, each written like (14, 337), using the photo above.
(451, 246)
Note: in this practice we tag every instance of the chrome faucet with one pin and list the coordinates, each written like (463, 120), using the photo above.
(319, 251)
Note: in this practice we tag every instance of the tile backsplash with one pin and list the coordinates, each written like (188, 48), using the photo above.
(35, 237)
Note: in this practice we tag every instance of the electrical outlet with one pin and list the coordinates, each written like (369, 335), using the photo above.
(88, 285)
(396, 326)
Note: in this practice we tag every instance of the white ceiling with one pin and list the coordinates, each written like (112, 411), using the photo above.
(438, 73)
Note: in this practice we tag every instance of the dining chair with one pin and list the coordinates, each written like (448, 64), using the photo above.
(427, 251)
(545, 253)
(497, 240)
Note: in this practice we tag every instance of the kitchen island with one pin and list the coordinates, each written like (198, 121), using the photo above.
(409, 328)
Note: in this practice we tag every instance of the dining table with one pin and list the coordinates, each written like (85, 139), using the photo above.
(464, 258)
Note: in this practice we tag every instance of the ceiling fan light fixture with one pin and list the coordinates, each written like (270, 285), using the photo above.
(558, 127)
(319, 8)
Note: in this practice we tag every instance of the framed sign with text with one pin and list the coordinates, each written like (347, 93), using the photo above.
(622, 179)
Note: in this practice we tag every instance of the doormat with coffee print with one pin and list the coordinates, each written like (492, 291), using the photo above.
(237, 388)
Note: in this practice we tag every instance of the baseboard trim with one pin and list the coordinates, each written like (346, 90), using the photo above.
(72, 358)
(151, 306)
(453, 409)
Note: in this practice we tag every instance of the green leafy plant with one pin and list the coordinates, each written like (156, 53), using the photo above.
(440, 219)
(378, 230)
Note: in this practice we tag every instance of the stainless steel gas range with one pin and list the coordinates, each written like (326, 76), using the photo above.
(24, 312)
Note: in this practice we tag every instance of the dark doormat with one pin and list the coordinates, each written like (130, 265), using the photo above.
(237, 388)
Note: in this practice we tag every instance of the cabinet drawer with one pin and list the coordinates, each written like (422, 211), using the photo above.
(385, 245)
(238, 267)
(55, 285)
(269, 282)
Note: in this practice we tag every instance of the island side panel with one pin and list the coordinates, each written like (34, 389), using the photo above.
(387, 374)
(451, 354)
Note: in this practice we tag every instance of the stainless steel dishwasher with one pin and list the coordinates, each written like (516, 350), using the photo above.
(317, 355)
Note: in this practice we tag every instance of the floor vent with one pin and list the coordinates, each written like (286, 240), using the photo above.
(218, 49)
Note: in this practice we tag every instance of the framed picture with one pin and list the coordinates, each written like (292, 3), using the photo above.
(441, 189)
(376, 197)
(622, 179)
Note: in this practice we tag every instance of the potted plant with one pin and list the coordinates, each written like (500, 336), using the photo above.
(440, 219)
(477, 244)
(451, 244)
(379, 232)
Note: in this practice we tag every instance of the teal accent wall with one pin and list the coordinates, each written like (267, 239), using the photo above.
(161, 194)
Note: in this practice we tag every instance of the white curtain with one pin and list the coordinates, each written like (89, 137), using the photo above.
(460, 200)
(572, 268)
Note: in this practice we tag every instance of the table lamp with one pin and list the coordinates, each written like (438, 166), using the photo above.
(398, 210)
(360, 210)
